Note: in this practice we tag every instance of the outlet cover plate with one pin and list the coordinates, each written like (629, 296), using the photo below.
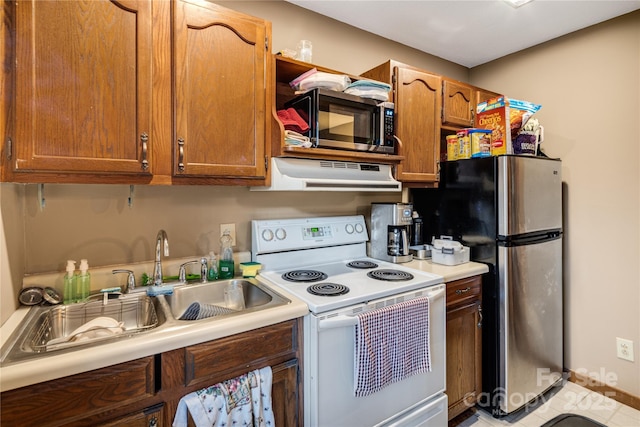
(624, 349)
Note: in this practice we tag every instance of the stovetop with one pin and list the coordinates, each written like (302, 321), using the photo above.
(317, 251)
(360, 286)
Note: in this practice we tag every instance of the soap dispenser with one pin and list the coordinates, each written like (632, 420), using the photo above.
(227, 269)
(84, 282)
(212, 272)
(69, 292)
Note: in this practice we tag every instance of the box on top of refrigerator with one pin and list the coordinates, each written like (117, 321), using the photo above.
(505, 118)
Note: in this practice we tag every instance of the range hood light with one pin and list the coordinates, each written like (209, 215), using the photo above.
(517, 3)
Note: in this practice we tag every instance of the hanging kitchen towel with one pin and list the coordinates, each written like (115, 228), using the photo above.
(392, 343)
(245, 400)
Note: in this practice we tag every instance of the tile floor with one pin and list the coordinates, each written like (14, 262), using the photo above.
(571, 398)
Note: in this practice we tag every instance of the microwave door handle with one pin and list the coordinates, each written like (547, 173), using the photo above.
(337, 322)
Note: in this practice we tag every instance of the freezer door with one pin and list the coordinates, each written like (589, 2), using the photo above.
(529, 195)
(530, 321)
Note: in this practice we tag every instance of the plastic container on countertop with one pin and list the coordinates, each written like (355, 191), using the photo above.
(448, 252)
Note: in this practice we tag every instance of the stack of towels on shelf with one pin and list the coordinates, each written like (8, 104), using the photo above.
(241, 401)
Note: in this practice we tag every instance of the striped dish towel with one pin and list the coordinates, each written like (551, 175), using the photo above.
(392, 343)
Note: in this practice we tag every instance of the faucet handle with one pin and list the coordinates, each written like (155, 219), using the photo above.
(131, 278)
(182, 272)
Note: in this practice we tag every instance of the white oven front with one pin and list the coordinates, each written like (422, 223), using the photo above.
(329, 347)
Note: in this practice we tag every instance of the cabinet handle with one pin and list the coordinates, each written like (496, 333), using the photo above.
(479, 316)
(153, 422)
(144, 139)
(463, 291)
(181, 154)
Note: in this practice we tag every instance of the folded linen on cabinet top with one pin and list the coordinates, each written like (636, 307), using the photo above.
(244, 400)
(391, 344)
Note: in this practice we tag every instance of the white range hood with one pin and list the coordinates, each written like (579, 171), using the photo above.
(291, 174)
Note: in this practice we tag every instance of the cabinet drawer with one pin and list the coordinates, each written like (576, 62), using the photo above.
(225, 358)
(69, 399)
(463, 290)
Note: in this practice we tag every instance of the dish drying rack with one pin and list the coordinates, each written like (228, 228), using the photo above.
(137, 315)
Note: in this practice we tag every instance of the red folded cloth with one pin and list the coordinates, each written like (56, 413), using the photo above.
(291, 120)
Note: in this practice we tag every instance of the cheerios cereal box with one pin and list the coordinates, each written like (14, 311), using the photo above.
(494, 115)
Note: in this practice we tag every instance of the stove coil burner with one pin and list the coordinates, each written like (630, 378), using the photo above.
(390, 275)
(327, 289)
(362, 264)
(304, 276)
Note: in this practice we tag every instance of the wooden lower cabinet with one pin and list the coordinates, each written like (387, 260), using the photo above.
(464, 344)
(146, 391)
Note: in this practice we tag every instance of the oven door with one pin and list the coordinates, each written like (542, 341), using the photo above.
(329, 399)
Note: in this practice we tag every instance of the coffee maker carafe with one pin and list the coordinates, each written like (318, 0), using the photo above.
(390, 231)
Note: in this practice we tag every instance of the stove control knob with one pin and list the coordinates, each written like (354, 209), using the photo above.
(348, 228)
(281, 234)
(359, 228)
(267, 235)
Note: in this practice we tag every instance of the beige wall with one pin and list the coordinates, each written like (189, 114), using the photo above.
(589, 86)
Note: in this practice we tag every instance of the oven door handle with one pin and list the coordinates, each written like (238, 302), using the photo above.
(344, 320)
(337, 322)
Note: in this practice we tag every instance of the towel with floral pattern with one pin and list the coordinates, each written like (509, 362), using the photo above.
(242, 401)
(391, 344)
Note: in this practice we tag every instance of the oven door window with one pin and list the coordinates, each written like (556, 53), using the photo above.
(346, 123)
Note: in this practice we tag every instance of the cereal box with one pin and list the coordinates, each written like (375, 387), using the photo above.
(480, 142)
(505, 118)
(494, 116)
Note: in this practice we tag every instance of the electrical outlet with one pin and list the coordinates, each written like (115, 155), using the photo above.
(624, 349)
(232, 232)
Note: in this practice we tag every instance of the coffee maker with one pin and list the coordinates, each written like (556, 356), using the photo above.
(390, 230)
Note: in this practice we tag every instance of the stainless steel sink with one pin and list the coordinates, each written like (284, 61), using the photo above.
(139, 314)
(136, 312)
(256, 297)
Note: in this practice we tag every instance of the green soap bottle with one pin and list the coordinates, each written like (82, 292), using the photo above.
(69, 292)
(83, 284)
(226, 268)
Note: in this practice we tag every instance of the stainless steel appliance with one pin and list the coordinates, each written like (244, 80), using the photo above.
(323, 262)
(390, 231)
(347, 122)
(508, 210)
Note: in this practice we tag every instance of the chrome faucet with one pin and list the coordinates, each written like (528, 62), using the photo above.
(162, 241)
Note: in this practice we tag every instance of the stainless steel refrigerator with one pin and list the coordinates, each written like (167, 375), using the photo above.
(508, 210)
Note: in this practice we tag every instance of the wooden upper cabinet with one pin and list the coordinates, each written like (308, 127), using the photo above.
(418, 104)
(220, 92)
(83, 88)
(460, 102)
(418, 101)
(457, 103)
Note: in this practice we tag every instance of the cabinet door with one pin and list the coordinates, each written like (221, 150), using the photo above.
(457, 103)
(286, 394)
(418, 103)
(83, 86)
(220, 92)
(464, 353)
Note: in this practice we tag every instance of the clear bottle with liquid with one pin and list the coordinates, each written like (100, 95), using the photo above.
(212, 272)
(83, 284)
(226, 268)
(69, 291)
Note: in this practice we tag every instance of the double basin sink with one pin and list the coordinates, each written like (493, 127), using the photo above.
(50, 329)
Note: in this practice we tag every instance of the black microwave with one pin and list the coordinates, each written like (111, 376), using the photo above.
(344, 121)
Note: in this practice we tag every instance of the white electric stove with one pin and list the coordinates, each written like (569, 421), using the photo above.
(323, 262)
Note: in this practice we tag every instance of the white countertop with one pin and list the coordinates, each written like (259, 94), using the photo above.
(449, 272)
